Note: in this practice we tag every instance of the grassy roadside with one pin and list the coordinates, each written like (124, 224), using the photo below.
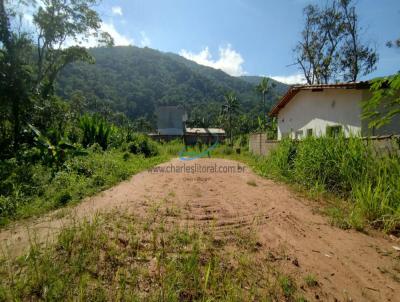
(121, 258)
(35, 189)
(358, 188)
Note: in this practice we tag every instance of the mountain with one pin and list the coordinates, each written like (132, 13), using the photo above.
(134, 81)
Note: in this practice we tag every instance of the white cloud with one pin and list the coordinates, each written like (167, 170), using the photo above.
(229, 59)
(117, 10)
(290, 79)
(119, 39)
(145, 40)
(91, 41)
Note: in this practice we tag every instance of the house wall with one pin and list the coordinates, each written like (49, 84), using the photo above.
(318, 109)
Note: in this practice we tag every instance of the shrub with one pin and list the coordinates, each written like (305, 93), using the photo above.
(173, 147)
(8, 207)
(141, 144)
(227, 150)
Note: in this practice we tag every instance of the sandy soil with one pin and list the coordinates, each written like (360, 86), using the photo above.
(348, 265)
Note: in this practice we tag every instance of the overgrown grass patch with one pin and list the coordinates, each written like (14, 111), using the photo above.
(367, 185)
(116, 258)
(32, 189)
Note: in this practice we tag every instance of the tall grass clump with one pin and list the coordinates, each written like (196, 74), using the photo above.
(377, 195)
(369, 183)
(334, 163)
(281, 161)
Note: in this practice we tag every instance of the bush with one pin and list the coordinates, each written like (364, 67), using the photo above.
(95, 130)
(141, 144)
(8, 207)
(227, 150)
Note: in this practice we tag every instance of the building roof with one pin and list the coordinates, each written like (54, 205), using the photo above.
(295, 89)
(205, 131)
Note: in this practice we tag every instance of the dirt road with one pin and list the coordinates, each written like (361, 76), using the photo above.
(348, 265)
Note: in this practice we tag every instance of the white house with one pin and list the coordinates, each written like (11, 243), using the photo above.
(326, 109)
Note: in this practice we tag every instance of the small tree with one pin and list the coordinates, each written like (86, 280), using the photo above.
(229, 110)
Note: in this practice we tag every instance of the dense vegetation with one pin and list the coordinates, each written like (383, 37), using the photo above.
(367, 183)
(52, 151)
(38, 182)
(131, 82)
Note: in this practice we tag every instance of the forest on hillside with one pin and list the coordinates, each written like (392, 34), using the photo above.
(130, 82)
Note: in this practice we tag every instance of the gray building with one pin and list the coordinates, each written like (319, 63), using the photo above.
(171, 120)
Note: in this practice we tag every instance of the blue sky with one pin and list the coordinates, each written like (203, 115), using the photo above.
(254, 37)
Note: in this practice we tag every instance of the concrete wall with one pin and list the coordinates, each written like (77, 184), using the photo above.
(318, 109)
(383, 145)
(260, 145)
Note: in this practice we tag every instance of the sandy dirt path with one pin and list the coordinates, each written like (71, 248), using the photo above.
(348, 265)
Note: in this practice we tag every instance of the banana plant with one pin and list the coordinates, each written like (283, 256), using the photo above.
(54, 153)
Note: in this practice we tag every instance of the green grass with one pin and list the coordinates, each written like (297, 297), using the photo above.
(117, 258)
(365, 187)
(32, 189)
(311, 280)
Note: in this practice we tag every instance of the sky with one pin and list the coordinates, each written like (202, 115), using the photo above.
(241, 37)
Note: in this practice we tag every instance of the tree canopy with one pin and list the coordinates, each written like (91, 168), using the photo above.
(331, 47)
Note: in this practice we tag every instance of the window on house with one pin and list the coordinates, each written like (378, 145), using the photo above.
(309, 132)
(298, 134)
(333, 131)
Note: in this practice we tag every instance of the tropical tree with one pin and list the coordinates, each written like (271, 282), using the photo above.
(230, 109)
(30, 62)
(15, 76)
(263, 88)
(331, 48)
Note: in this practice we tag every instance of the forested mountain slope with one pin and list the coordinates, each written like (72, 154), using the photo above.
(135, 80)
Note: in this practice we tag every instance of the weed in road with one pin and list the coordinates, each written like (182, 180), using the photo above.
(311, 280)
